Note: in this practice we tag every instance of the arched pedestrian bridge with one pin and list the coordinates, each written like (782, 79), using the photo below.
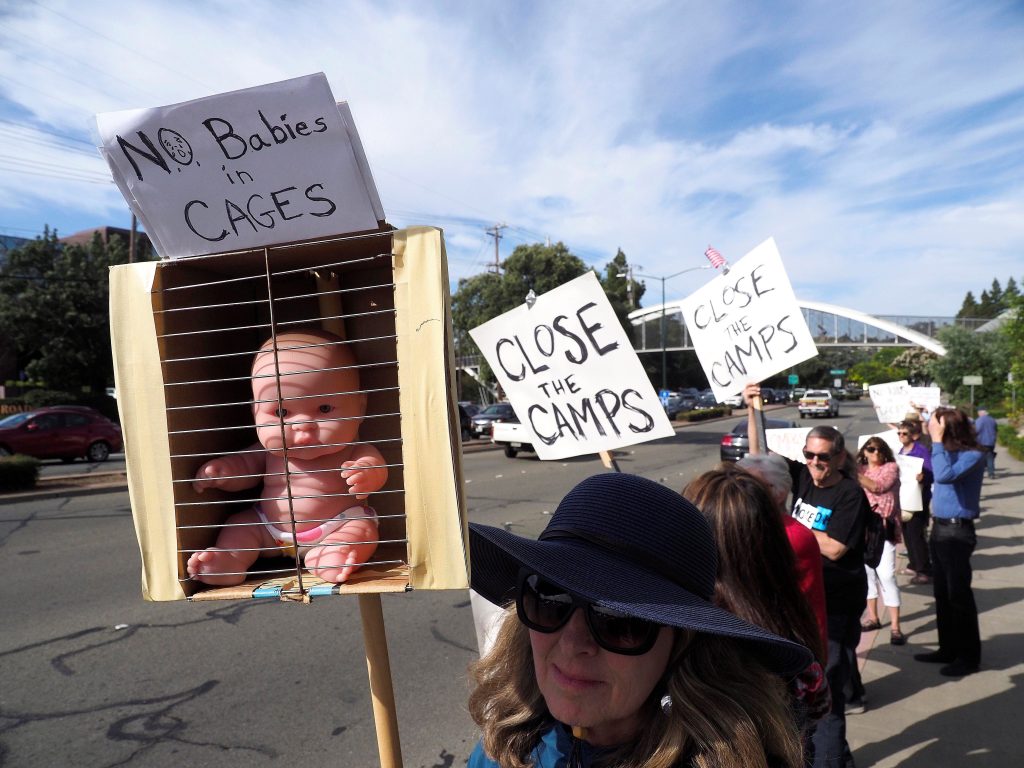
(830, 325)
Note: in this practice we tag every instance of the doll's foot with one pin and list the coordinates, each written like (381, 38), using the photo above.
(219, 567)
(336, 564)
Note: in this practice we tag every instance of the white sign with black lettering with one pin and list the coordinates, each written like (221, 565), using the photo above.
(891, 401)
(571, 374)
(246, 169)
(747, 325)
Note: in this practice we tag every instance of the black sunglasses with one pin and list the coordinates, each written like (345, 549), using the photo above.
(545, 607)
(870, 448)
(819, 456)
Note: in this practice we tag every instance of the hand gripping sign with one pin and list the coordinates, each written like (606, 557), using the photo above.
(571, 374)
(746, 325)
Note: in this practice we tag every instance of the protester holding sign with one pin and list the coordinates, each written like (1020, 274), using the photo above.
(914, 530)
(615, 653)
(879, 475)
(830, 502)
(959, 465)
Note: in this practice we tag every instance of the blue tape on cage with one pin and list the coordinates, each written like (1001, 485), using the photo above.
(267, 592)
(323, 590)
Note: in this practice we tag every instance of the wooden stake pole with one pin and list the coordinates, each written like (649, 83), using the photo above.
(378, 667)
(609, 460)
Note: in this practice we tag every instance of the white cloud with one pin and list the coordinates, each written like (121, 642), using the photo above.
(867, 139)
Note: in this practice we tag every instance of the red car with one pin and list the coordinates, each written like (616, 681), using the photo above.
(64, 432)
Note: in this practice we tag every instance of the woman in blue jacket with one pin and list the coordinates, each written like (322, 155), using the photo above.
(958, 463)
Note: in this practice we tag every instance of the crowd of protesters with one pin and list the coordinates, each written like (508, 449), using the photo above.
(770, 552)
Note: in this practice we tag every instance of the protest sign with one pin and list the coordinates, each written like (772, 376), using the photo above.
(891, 401)
(927, 399)
(788, 442)
(261, 166)
(890, 437)
(571, 374)
(910, 489)
(746, 325)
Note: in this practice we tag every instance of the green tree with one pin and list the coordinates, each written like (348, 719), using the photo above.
(969, 353)
(880, 368)
(535, 267)
(970, 306)
(916, 361)
(1012, 292)
(1013, 335)
(54, 311)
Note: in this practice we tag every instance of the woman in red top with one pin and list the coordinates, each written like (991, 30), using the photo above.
(879, 476)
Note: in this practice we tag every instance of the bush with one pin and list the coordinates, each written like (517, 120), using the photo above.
(705, 414)
(1014, 442)
(18, 473)
(41, 398)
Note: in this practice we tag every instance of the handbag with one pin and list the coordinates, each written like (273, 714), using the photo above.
(874, 539)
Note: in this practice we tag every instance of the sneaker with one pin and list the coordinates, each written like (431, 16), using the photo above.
(857, 706)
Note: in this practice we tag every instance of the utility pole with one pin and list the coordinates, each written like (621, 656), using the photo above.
(495, 232)
(131, 239)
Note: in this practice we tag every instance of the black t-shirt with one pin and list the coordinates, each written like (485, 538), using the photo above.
(841, 511)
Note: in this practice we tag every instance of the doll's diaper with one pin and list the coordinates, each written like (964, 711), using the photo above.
(316, 535)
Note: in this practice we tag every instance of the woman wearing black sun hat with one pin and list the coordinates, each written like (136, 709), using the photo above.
(614, 653)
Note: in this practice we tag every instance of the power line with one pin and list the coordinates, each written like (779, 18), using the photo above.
(119, 44)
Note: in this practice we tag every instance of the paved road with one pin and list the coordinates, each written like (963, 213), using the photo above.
(90, 675)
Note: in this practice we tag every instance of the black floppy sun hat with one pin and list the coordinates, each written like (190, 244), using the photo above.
(628, 544)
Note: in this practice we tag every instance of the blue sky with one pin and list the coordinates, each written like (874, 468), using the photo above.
(880, 143)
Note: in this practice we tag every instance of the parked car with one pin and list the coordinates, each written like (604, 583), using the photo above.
(65, 432)
(497, 412)
(734, 401)
(736, 443)
(471, 408)
(677, 404)
(705, 401)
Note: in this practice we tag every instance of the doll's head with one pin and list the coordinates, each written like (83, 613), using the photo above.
(320, 406)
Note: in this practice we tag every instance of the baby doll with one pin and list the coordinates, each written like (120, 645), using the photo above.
(317, 421)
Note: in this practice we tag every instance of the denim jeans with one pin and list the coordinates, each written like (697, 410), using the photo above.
(956, 614)
(830, 748)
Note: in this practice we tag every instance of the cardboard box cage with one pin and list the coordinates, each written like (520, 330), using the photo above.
(184, 333)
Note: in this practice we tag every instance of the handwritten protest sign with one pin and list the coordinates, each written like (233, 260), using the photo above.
(245, 169)
(889, 437)
(926, 398)
(571, 374)
(788, 442)
(891, 401)
(747, 325)
(910, 490)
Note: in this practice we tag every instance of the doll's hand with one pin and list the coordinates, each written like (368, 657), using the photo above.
(209, 475)
(364, 476)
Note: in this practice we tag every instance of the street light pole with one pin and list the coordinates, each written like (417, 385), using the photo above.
(664, 344)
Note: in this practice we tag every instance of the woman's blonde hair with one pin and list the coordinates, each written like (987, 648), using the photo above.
(727, 710)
